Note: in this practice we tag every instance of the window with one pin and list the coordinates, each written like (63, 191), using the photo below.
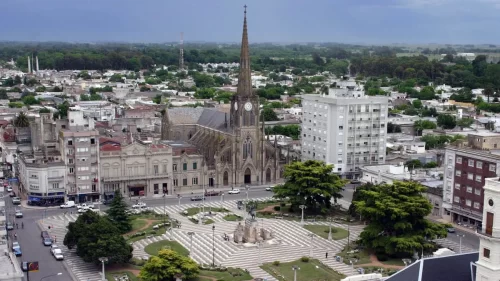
(469, 189)
(492, 168)
(486, 253)
(341, 127)
(479, 164)
(71, 170)
(155, 169)
(156, 188)
(165, 168)
(479, 178)
(184, 166)
(184, 181)
(458, 173)
(70, 142)
(82, 149)
(470, 176)
(83, 168)
(70, 160)
(174, 167)
(468, 202)
(477, 191)
(477, 205)
(456, 199)
(471, 163)
(55, 186)
(92, 141)
(457, 186)
(195, 165)
(175, 182)
(459, 160)
(195, 181)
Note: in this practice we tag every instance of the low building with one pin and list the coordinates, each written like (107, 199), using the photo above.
(435, 195)
(484, 140)
(389, 173)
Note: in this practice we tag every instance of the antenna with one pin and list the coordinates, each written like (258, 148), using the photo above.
(181, 52)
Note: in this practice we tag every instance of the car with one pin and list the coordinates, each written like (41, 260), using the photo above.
(12, 194)
(19, 214)
(16, 248)
(197, 198)
(57, 253)
(9, 188)
(234, 191)
(16, 201)
(83, 210)
(139, 205)
(10, 226)
(270, 188)
(24, 266)
(85, 206)
(355, 181)
(451, 230)
(68, 204)
(212, 193)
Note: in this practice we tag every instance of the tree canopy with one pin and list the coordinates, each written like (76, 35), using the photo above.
(396, 218)
(311, 183)
(168, 264)
(95, 236)
(117, 213)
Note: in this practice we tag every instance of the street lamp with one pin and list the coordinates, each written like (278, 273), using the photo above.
(221, 199)
(302, 207)
(330, 232)
(103, 260)
(247, 189)
(48, 276)
(213, 245)
(311, 246)
(259, 244)
(191, 234)
(460, 236)
(200, 214)
(295, 268)
(164, 208)
(179, 197)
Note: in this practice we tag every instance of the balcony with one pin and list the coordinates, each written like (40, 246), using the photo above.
(135, 177)
(55, 179)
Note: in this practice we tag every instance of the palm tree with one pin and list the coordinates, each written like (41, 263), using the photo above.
(21, 121)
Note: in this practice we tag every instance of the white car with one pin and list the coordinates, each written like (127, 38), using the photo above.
(57, 253)
(270, 188)
(234, 191)
(139, 205)
(9, 188)
(85, 206)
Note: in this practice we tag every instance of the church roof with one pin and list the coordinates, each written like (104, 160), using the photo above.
(447, 268)
(208, 117)
(184, 115)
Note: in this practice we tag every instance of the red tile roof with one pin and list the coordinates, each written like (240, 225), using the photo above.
(111, 147)
(104, 140)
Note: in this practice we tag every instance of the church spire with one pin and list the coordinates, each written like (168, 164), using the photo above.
(245, 76)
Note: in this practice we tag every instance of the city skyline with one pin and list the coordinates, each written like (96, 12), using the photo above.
(281, 21)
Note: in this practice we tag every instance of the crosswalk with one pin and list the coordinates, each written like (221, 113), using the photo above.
(207, 244)
(454, 246)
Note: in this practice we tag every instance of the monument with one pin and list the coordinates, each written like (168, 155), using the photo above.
(251, 233)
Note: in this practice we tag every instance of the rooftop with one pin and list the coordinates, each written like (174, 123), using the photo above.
(9, 268)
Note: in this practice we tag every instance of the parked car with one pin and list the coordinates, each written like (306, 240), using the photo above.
(85, 206)
(10, 226)
(19, 214)
(46, 239)
(355, 181)
(270, 188)
(212, 193)
(197, 198)
(16, 248)
(24, 266)
(69, 204)
(234, 191)
(139, 205)
(450, 230)
(57, 253)
(12, 194)
(16, 201)
(9, 188)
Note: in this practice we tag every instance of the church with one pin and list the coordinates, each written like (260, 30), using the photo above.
(232, 140)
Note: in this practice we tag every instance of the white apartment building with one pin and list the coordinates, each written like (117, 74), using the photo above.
(97, 110)
(346, 129)
(42, 178)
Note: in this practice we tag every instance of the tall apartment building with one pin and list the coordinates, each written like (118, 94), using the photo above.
(465, 172)
(346, 129)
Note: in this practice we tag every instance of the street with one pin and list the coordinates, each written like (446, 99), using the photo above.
(468, 240)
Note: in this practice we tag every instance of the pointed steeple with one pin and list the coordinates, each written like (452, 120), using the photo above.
(245, 77)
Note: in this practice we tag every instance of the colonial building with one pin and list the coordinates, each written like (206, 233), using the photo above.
(234, 149)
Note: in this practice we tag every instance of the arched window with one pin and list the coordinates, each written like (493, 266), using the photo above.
(247, 149)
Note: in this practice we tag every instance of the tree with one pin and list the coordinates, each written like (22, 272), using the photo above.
(413, 164)
(311, 183)
(117, 213)
(30, 100)
(446, 121)
(393, 128)
(396, 219)
(95, 236)
(269, 115)
(168, 264)
(21, 120)
(431, 165)
(465, 122)
(421, 125)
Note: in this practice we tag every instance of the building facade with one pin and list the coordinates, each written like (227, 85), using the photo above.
(136, 169)
(464, 179)
(80, 153)
(347, 130)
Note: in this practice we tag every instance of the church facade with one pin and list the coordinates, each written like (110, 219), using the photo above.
(232, 142)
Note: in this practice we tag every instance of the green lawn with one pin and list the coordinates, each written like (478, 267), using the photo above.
(138, 224)
(132, 277)
(233, 217)
(225, 275)
(309, 271)
(153, 248)
(322, 231)
(195, 210)
(363, 256)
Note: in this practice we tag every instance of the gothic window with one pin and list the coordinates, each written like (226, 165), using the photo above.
(247, 149)
(252, 118)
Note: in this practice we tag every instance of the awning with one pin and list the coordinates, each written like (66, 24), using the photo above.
(467, 213)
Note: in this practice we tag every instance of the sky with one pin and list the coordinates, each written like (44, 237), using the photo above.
(280, 21)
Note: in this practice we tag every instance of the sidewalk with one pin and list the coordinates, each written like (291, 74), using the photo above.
(456, 226)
